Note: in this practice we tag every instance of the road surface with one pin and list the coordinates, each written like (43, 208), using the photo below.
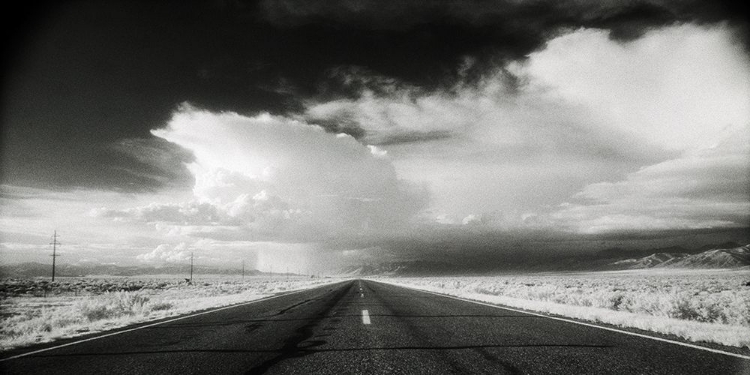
(365, 327)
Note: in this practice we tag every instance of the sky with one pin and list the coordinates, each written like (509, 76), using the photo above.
(311, 135)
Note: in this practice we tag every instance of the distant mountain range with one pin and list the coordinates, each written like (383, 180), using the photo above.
(735, 257)
(31, 270)
(726, 255)
(635, 253)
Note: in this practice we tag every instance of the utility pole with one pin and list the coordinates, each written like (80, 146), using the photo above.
(191, 267)
(54, 244)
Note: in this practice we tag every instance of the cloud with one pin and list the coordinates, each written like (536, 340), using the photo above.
(681, 89)
(166, 253)
(399, 14)
(377, 152)
(675, 87)
(527, 135)
(705, 187)
(401, 115)
(155, 160)
(187, 213)
(582, 92)
(471, 220)
(492, 116)
(524, 25)
(274, 178)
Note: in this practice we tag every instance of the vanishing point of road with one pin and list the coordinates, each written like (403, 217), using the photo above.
(366, 327)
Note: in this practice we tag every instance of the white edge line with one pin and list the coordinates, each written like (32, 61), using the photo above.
(154, 324)
(581, 323)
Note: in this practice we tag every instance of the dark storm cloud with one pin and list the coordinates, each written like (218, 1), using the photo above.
(160, 162)
(86, 75)
(626, 18)
(81, 76)
(463, 249)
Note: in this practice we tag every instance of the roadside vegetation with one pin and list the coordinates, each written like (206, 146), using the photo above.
(710, 306)
(33, 311)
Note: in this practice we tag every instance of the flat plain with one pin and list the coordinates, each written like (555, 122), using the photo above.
(695, 305)
(37, 311)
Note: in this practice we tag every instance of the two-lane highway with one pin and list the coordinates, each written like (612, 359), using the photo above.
(365, 327)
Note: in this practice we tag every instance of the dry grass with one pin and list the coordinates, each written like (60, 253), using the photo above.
(27, 319)
(711, 306)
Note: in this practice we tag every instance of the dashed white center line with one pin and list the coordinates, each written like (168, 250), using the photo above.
(362, 295)
(365, 317)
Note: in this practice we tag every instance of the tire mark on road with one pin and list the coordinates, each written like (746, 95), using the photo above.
(299, 344)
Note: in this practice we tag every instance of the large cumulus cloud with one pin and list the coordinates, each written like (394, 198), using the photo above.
(166, 253)
(273, 178)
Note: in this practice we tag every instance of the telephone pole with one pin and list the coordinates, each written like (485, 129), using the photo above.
(54, 244)
(191, 267)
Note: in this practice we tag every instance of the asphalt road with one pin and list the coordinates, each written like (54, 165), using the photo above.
(323, 331)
